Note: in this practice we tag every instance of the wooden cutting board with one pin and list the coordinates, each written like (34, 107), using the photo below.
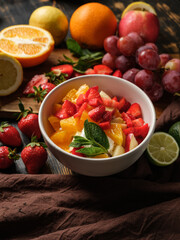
(9, 104)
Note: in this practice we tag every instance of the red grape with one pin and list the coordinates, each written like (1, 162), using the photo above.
(130, 74)
(137, 38)
(109, 60)
(124, 63)
(110, 45)
(148, 59)
(144, 79)
(164, 58)
(171, 81)
(126, 45)
(173, 64)
(152, 45)
(155, 92)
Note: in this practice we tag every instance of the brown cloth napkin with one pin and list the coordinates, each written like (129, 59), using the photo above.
(142, 202)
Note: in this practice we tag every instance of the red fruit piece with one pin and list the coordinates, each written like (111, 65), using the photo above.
(48, 86)
(80, 110)
(97, 113)
(68, 109)
(81, 99)
(89, 71)
(73, 151)
(117, 73)
(102, 69)
(138, 122)
(125, 105)
(65, 68)
(141, 131)
(111, 103)
(135, 110)
(28, 124)
(127, 119)
(36, 81)
(34, 156)
(93, 97)
(105, 125)
(9, 135)
(107, 116)
(7, 157)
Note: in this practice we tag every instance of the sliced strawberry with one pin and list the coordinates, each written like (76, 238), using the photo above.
(105, 125)
(125, 105)
(68, 109)
(138, 122)
(102, 69)
(65, 68)
(127, 119)
(81, 99)
(115, 98)
(73, 151)
(107, 116)
(94, 102)
(117, 73)
(36, 81)
(77, 74)
(90, 71)
(135, 110)
(141, 131)
(92, 92)
(48, 86)
(111, 103)
(96, 113)
(80, 110)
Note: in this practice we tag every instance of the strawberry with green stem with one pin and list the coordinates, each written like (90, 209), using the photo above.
(9, 135)
(28, 123)
(34, 156)
(7, 157)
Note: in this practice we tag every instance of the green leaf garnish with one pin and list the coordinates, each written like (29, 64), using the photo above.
(96, 141)
(56, 78)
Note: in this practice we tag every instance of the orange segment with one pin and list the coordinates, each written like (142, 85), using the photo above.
(55, 122)
(62, 139)
(115, 133)
(28, 44)
(69, 125)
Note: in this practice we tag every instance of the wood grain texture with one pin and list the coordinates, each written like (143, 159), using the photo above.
(18, 12)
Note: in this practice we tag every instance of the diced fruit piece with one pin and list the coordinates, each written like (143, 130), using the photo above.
(54, 121)
(36, 81)
(61, 138)
(102, 69)
(135, 110)
(118, 150)
(131, 142)
(115, 133)
(105, 125)
(69, 125)
(138, 131)
(111, 103)
(65, 68)
(85, 116)
(89, 71)
(127, 119)
(96, 113)
(82, 90)
(71, 96)
(68, 109)
(138, 122)
(56, 107)
(104, 95)
(107, 116)
(117, 120)
(117, 73)
(81, 99)
(80, 110)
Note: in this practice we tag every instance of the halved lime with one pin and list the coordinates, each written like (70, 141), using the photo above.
(162, 149)
(175, 132)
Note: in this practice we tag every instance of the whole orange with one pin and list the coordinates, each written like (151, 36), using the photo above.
(91, 23)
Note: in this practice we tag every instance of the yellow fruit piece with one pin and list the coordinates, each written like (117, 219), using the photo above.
(69, 125)
(62, 138)
(11, 74)
(104, 155)
(28, 44)
(82, 90)
(55, 122)
(142, 6)
(115, 133)
(91, 23)
(51, 19)
(71, 96)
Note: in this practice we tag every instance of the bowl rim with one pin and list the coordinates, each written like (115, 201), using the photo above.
(45, 135)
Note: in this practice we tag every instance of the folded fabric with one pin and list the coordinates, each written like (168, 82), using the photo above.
(142, 202)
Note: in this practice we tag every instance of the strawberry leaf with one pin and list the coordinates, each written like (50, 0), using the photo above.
(3, 125)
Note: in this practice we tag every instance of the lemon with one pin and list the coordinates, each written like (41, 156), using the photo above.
(51, 19)
(11, 74)
(175, 132)
(142, 6)
(162, 149)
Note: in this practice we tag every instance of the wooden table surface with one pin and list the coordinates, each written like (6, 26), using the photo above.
(18, 12)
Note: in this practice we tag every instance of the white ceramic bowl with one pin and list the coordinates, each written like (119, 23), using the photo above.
(113, 86)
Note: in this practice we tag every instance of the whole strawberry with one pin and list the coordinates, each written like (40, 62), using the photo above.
(28, 124)
(34, 156)
(7, 157)
(9, 135)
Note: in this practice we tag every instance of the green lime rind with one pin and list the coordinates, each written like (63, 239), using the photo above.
(174, 131)
(162, 149)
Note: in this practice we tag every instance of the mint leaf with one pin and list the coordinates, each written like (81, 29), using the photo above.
(79, 141)
(94, 133)
(74, 47)
(91, 151)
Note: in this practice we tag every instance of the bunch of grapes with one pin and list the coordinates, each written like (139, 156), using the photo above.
(141, 64)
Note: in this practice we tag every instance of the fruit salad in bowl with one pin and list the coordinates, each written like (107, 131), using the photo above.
(97, 125)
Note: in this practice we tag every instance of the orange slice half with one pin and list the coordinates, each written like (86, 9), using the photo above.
(28, 44)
